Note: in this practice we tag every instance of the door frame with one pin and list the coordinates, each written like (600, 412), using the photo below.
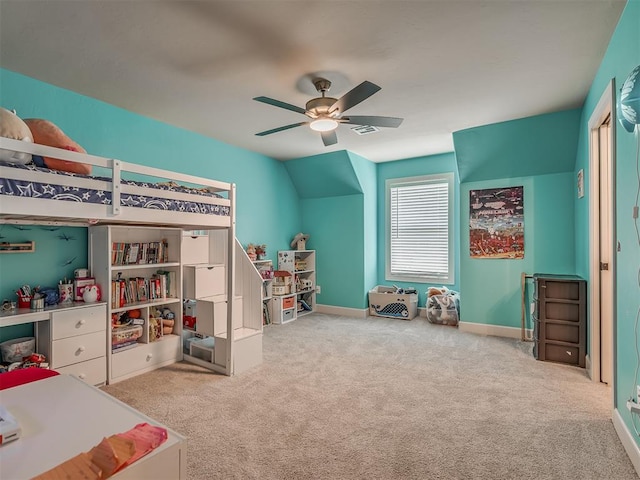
(604, 108)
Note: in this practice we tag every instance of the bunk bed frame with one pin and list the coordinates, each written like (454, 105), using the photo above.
(51, 211)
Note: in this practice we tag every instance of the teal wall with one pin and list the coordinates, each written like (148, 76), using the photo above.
(414, 167)
(268, 210)
(337, 192)
(367, 175)
(530, 146)
(336, 227)
(58, 252)
(490, 288)
(622, 55)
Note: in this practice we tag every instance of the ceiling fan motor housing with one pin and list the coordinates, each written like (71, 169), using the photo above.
(317, 107)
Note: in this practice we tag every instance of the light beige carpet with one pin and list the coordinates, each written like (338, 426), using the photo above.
(344, 398)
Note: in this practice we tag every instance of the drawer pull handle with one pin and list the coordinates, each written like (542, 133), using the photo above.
(81, 349)
(81, 322)
(210, 268)
(150, 356)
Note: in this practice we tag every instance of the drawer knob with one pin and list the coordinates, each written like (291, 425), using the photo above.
(82, 376)
(81, 349)
(81, 322)
(149, 356)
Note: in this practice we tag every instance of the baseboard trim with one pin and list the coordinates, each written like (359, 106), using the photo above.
(345, 311)
(493, 330)
(587, 365)
(629, 444)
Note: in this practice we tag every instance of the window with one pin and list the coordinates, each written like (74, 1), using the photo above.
(420, 229)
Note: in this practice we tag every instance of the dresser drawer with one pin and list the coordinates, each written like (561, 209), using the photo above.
(68, 351)
(94, 371)
(145, 355)
(78, 321)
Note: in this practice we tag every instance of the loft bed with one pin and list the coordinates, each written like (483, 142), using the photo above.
(117, 193)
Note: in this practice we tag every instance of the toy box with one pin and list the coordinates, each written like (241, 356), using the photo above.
(388, 302)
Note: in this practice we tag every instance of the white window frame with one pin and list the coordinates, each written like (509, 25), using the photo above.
(424, 277)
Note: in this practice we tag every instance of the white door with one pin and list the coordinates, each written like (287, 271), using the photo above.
(601, 235)
(606, 249)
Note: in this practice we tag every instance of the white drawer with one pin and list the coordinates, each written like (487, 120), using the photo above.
(94, 371)
(195, 249)
(78, 321)
(145, 355)
(211, 315)
(204, 280)
(78, 349)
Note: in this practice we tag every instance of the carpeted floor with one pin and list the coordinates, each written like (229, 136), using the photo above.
(345, 398)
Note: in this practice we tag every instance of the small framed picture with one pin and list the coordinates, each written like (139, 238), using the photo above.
(581, 183)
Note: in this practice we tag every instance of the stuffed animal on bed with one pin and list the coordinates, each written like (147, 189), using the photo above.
(12, 126)
(47, 133)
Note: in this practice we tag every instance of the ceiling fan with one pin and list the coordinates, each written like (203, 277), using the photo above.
(326, 112)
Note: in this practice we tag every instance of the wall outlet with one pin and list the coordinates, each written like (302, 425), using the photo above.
(319, 290)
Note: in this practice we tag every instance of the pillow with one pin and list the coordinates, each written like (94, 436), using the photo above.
(11, 126)
(47, 133)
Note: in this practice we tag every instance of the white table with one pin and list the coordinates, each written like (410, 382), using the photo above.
(63, 416)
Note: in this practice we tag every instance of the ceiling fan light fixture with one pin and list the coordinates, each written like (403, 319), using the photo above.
(324, 124)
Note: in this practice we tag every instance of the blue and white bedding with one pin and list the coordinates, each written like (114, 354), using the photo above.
(33, 189)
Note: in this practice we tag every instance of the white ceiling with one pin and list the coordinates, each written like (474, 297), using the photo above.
(443, 65)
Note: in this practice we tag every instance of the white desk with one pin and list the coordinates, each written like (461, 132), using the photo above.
(63, 416)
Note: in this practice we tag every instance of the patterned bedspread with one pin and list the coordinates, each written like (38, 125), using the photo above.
(32, 189)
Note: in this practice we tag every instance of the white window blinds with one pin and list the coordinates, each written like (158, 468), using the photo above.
(419, 228)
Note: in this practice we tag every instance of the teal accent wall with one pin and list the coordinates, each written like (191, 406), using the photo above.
(530, 146)
(338, 199)
(414, 167)
(622, 55)
(268, 208)
(490, 288)
(58, 252)
(367, 175)
(324, 175)
(336, 226)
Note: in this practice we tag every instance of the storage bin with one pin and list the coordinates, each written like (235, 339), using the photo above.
(14, 350)
(386, 302)
(128, 333)
(287, 315)
(287, 302)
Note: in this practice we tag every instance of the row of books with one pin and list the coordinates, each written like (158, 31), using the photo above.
(124, 346)
(139, 253)
(125, 291)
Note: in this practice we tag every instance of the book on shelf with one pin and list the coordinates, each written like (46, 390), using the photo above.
(125, 291)
(124, 346)
(139, 253)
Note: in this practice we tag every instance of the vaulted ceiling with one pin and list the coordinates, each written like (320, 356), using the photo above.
(444, 66)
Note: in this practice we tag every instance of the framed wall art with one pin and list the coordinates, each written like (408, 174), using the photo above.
(496, 223)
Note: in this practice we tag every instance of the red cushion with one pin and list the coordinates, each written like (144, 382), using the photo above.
(24, 375)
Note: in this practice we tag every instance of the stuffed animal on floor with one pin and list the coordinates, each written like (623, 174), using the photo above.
(47, 133)
(12, 126)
